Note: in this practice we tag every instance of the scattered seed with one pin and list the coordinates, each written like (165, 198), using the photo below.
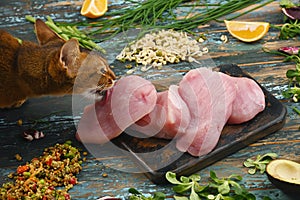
(131, 71)
(19, 122)
(201, 40)
(18, 157)
(224, 38)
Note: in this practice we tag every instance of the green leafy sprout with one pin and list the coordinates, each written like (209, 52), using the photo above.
(260, 163)
(217, 188)
(136, 195)
(293, 75)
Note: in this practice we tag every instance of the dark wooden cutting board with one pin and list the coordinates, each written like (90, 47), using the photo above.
(151, 153)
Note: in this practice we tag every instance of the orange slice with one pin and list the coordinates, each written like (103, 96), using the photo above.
(93, 8)
(247, 31)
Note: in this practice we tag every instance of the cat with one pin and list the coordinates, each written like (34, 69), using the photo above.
(28, 69)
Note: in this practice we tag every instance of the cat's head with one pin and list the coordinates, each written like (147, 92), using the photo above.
(82, 70)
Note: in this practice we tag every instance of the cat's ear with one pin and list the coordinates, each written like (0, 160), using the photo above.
(69, 56)
(44, 34)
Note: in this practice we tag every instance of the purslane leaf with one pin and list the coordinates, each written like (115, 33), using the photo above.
(171, 177)
(180, 198)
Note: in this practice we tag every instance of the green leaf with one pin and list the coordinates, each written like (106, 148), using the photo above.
(235, 176)
(194, 195)
(181, 188)
(250, 196)
(171, 177)
(292, 73)
(214, 177)
(199, 188)
(248, 163)
(159, 196)
(224, 188)
(229, 198)
(180, 198)
(252, 171)
(262, 168)
(286, 3)
(184, 179)
(270, 155)
(134, 191)
(238, 189)
(195, 177)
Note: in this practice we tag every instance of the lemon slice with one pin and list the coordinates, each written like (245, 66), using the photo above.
(93, 8)
(247, 31)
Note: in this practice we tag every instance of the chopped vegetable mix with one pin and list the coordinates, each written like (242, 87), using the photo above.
(38, 179)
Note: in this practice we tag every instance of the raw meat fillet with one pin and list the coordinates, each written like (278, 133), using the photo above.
(169, 119)
(128, 101)
(209, 98)
(249, 101)
(195, 112)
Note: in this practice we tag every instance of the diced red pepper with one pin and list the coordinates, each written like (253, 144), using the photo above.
(11, 198)
(23, 168)
(51, 188)
(73, 181)
(67, 196)
(49, 161)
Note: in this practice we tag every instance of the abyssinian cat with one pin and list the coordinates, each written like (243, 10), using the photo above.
(51, 67)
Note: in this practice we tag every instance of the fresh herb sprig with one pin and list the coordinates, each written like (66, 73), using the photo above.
(288, 30)
(217, 189)
(153, 14)
(260, 163)
(293, 75)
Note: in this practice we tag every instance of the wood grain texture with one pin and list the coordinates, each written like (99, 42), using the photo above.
(53, 115)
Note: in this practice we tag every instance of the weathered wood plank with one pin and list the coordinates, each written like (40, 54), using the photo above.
(58, 120)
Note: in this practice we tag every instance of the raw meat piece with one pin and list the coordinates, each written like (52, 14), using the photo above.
(249, 101)
(194, 113)
(129, 100)
(169, 118)
(209, 98)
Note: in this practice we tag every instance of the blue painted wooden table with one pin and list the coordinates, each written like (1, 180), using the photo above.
(101, 177)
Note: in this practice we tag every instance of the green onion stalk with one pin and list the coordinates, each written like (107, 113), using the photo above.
(160, 14)
(68, 32)
(147, 15)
